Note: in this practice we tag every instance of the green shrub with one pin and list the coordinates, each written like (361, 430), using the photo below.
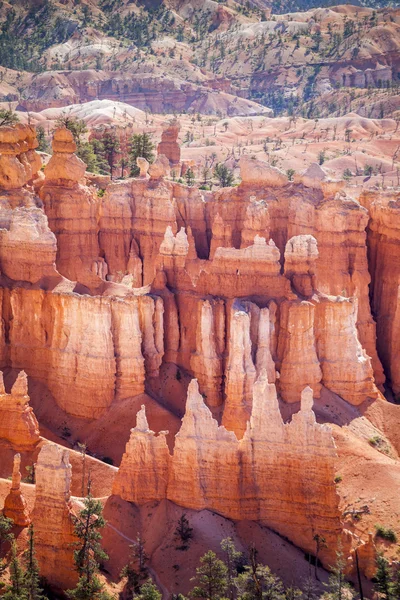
(386, 533)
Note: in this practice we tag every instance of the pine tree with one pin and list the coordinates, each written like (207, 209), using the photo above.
(232, 558)
(257, 582)
(32, 576)
(211, 577)
(141, 146)
(384, 586)
(86, 527)
(396, 580)
(41, 138)
(6, 525)
(338, 587)
(111, 147)
(184, 532)
(17, 589)
(8, 117)
(189, 176)
(5, 536)
(224, 175)
(136, 570)
(149, 591)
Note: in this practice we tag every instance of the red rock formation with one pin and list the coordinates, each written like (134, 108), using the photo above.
(52, 517)
(367, 554)
(297, 353)
(206, 361)
(73, 211)
(144, 480)
(240, 373)
(384, 242)
(28, 248)
(211, 469)
(346, 368)
(15, 506)
(18, 424)
(94, 341)
(338, 224)
(169, 146)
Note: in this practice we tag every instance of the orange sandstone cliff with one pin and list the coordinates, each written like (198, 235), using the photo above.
(264, 316)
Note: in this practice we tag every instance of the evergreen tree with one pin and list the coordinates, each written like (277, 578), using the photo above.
(189, 176)
(224, 175)
(149, 591)
(396, 580)
(76, 126)
(257, 582)
(141, 146)
(310, 590)
(338, 587)
(41, 138)
(8, 117)
(31, 576)
(86, 152)
(5, 536)
(232, 558)
(17, 589)
(184, 532)
(111, 147)
(6, 525)
(86, 527)
(136, 570)
(384, 585)
(293, 593)
(211, 578)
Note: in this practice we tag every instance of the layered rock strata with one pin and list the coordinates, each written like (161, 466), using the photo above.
(72, 210)
(53, 517)
(210, 468)
(18, 424)
(384, 244)
(15, 506)
(105, 345)
(169, 146)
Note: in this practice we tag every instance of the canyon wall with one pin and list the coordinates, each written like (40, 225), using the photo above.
(279, 474)
(257, 294)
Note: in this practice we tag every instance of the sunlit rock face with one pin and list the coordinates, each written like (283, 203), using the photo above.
(53, 517)
(15, 506)
(210, 468)
(255, 294)
(18, 424)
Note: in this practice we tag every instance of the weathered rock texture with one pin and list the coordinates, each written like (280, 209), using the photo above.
(15, 506)
(144, 480)
(105, 345)
(18, 424)
(52, 517)
(169, 146)
(258, 291)
(384, 245)
(211, 469)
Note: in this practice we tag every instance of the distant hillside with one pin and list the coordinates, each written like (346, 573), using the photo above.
(201, 55)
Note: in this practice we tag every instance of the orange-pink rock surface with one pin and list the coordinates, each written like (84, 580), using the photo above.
(261, 477)
(18, 424)
(257, 294)
(53, 517)
(15, 506)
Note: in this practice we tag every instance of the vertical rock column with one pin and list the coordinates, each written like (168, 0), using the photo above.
(52, 517)
(15, 506)
(206, 362)
(240, 373)
(143, 474)
(18, 424)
